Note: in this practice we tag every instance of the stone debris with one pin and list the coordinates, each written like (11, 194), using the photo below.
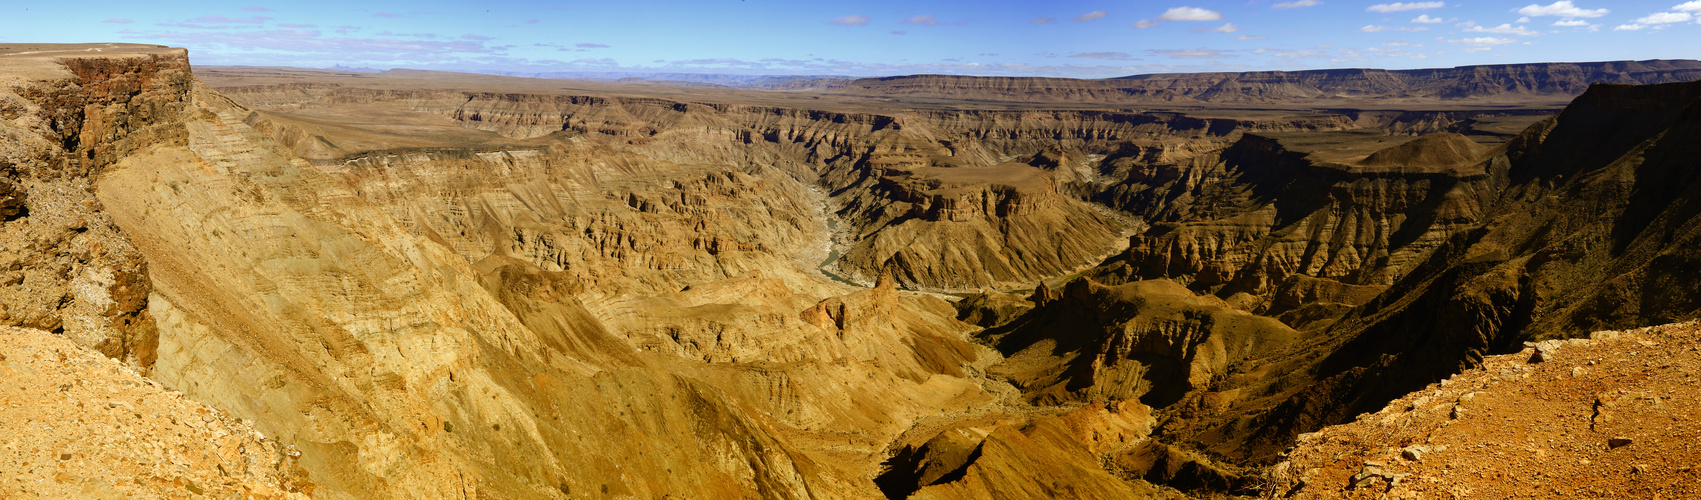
(1538, 435)
(77, 424)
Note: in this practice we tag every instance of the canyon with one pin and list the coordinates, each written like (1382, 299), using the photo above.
(417, 284)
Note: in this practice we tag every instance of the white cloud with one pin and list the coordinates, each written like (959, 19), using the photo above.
(1504, 29)
(1486, 41)
(1190, 14)
(1400, 6)
(1665, 18)
(1694, 6)
(1045, 20)
(1425, 19)
(1287, 53)
(1403, 44)
(1465, 24)
(1192, 53)
(1092, 15)
(1563, 8)
(1144, 23)
(1570, 23)
(1371, 28)
(1522, 20)
(1118, 56)
(1313, 3)
(1226, 28)
(924, 20)
(1468, 50)
(1628, 27)
(1251, 37)
(856, 20)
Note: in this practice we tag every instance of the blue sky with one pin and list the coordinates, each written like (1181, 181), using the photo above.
(1084, 39)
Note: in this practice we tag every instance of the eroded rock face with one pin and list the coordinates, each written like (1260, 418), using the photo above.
(967, 227)
(1262, 216)
(64, 265)
(1589, 234)
(951, 200)
(1015, 457)
(418, 331)
(1148, 340)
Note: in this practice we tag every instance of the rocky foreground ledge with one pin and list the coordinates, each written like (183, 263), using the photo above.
(1610, 416)
(77, 424)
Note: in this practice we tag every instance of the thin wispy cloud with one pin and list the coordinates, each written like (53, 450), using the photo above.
(1190, 14)
(590, 46)
(1665, 18)
(1193, 53)
(923, 20)
(1402, 6)
(229, 20)
(1097, 14)
(1425, 19)
(1297, 4)
(1226, 28)
(1504, 29)
(1143, 24)
(1045, 20)
(853, 20)
(1563, 8)
(1117, 56)
(1287, 54)
(1485, 41)
(1251, 37)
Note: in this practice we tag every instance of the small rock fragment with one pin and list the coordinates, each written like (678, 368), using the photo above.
(1639, 469)
(1545, 350)
(1414, 452)
(1618, 442)
(1364, 475)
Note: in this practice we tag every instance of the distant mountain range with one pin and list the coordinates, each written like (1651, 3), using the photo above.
(1504, 80)
(1512, 81)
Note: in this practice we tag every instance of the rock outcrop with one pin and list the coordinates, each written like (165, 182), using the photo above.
(64, 265)
(1149, 340)
(1601, 416)
(1259, 218)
